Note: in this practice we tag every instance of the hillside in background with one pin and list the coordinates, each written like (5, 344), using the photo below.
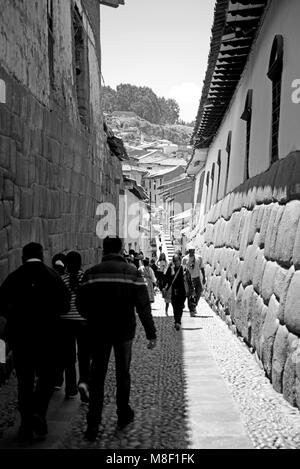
(133, 129)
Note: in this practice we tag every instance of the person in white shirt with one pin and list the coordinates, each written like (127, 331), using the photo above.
(193, 264)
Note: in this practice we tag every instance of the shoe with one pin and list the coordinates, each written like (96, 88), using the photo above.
(91, 432)
(57, 388)
(40, 427)
(84, 392)
(126, 420)
(177, 326)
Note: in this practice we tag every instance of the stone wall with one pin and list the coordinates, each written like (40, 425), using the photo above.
(53, 171)
(252, 259)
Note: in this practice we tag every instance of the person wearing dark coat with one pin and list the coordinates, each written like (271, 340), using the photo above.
(32, 298)
(174, 279)
(108, 296)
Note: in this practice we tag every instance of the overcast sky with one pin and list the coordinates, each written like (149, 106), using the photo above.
(163, 44)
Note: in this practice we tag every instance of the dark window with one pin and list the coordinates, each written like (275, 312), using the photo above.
(212, 176)
(207, 194)
(81, 70)
(219, 173)
(228, 150)
(275, 75)
(247, 117)
(50, 42)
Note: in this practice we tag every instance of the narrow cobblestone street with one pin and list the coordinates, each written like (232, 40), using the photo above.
(200, 388)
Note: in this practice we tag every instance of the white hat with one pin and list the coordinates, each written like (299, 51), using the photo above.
(190, 246)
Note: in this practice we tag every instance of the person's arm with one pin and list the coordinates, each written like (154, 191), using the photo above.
(82, 297)
(143, 307)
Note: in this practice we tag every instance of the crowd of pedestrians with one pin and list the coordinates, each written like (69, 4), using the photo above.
(60, 315)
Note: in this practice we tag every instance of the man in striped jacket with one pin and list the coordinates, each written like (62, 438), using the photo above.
(108, 296)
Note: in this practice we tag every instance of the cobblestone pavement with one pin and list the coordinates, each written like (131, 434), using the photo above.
(160, 392)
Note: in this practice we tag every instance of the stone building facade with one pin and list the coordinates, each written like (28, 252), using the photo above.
(246, 165)
(55, 164)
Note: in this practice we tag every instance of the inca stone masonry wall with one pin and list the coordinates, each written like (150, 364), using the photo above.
(252, 261)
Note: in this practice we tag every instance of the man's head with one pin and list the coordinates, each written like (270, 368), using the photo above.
(32, 251)
(191, 249)
(177, 260)
(112, 245)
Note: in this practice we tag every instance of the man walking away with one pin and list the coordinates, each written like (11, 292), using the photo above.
(108, 296)
(194, 265)
(32, 299)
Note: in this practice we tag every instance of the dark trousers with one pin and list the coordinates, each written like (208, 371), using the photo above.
(100, 360)
(178, 300)
(160, 279)
(73, 337)
(193, 300)
(35, 374)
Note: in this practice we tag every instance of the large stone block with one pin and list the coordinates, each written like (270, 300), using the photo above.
(4, 151)
(249, 263)
(284, 291)
(272, 230)
(253, 225)
(287, 233)
(259, 268)
(3, 242)
(292, 305)
(26, 203)
(296, 249)
(256, 315)
(244, 325)
(245, 234)
(267, 286)
(279, 281)
(264, 224)
(280, 353)
(260, 216)
(289, 374)
(268, 333)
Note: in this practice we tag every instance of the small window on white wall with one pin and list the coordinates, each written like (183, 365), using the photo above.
(219, 174)
(207, 194)
(212, 175)
(247, 117)
(275, 75)
(228, 150)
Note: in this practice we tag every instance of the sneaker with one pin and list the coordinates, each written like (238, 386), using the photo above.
(91, 432)
(177, 326)
(57, 388)
(126, 420)
(84, 392)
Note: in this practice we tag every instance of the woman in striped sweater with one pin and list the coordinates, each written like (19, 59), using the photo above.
(74, 333)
